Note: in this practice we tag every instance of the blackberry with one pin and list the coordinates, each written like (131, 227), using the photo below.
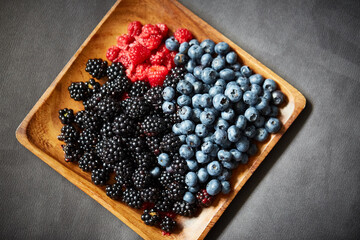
(153, 125)
(203, 198)
(99, 176)
(68, 134)
(79, 91)
(154, 97)
(88, 120)
(165, 178)
(179, 178)
(170, 143)
(66, 116)
(167, 224)
(109, 167)
(93, 101)
(150, 194)
(115, 70)
(135, 144)
(151, 217)
(89, 161)
(184, 208)
(92, 86)
(153, 144)
(132, 198)
(106, 130)
(145, 160)
(141, 178)
(123, 182)
(110, 150)
(136, 108)
(114, 191)
(107, 108)
(124, 103)
(124, 168)
(176, 74)
(172, 117)
(164, 204)
(88, 139)
(116, 87)
(178, 164)
(96, 67)
(175, 190)
(72, 152)
(139, 88)
(123, 126)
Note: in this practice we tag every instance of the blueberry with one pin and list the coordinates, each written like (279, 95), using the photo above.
(187, 127)
(245, 71)
(196, 115)
(190, 65)
(207, 147)
(182, 138)
(226, 144)
(266, 111)
(184, 87)
(216, 90)
(225, 175)
(198, 87)
(233, 133)
(233, 92)
(168, 94)
(195, 52)
(218, 63)
(206, 88)
(208, 46)
(278, 97)
(207, 118)
(208, 75)
(250, 131)
(242, 81)
(213, 187)
(225, 187)
(168, 107)
(251, 114)
(227, 74)
(228, 114)
(206, 101)
(267, 95)
(256, 89)
(192, 165)
(230, 164)
(253, 149)
(263, 103)
(222, 48)
(220, 136)
(181, 59)
(274, 111)
(185, 113)
(183, 100)
(221, 102)
(220, 82)
(190, 198)
(273, 125)
(208, 138)
(197, 71)
(236, 154)
(269, 85)
(164, 160)
(214, 168)
(222, 124)
(260, 122)
(172, 44)
(155, 172)
(236, 67)
(224, 155)
(256, 79)
(239, 107)
(261, 134)
(193, 42)
(240, 122)
(191, 179)
(244, 159)
(243, 144)
(206, 60)
(190, 78)
(202, 157)
(186, 151)
(184, 47)
(231, 57)
(194, 189)
(193, 141)
(202, 175)
(215, 150)
(237, 74)
(231, 83)
(196, 100)
(176, 129)
(250, 98)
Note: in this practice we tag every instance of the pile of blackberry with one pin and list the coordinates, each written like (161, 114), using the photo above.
(119, 140)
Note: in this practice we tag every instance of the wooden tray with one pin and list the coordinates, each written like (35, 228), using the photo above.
(38, 131)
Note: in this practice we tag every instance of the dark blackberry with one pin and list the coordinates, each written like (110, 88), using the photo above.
(116, 87)
(123, 182)
(176, 74)
(167, 224)
(170, 143)
(145, 160)
(136, 108)
(165, 178)
(135, 144)
(93, 86)
(110, 150)
(179, 178)
(72, 152)
(79, 91)
(151, 217)
(153, 125)
(106, 130)
(141, 178)
(139, 88)
(132, 198)
(203, 198)
(96, 67)
(99, 176)
(89, 161)
(153, 144)
(175, 190)
(172, 117)
(68, 134)
(123, 126)
(114, 191)
(178, 164)
(150, 194)
(88, 120)
(115, 70)
(93, 101)
(164, 204)
(124, 168)
(109, 167)
(184, 208)
(124, 103)
(66, 116)
(87, 139)
(154, 97)
(107, 108)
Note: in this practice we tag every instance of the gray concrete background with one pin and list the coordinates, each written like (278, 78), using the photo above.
(308, 186)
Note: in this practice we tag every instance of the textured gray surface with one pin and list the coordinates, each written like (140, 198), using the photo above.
(308, 186)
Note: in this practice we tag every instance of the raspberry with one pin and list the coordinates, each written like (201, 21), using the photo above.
(157, 58)
(183, 35)
(112, 53)
(123, 58)
(124, 40)
(156, 75)
(134, 28)
(141, 70)
(138, 54)
(163, 29)
(151, 42)
(148, 30)
(169, 60)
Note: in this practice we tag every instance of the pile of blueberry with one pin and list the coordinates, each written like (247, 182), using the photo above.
(225, 109)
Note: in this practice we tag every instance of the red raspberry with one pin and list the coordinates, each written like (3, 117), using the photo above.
(112, 53)
(156, 75)
(141, 71)
(157, 58)
(124, 40)
(138, 54)
(162, 48)
(134, 28)
(169, 60)
(123, 57)
(151, 42)
(183, 35)
(163, 29)
(130, 73)
(150, 29)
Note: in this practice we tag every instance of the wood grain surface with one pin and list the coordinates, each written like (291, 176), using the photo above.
(38, 131)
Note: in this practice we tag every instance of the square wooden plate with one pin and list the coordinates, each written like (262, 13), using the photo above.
(38, 131)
